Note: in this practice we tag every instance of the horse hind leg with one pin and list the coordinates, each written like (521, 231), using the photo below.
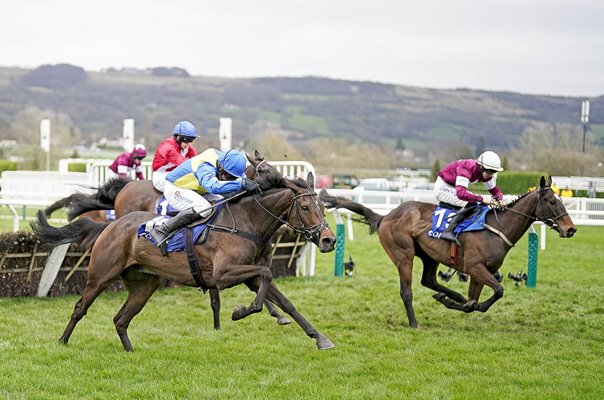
(274, 312)
(429, 281)
(90, 293)
(215, 304)
(139, 292)
(274, 295)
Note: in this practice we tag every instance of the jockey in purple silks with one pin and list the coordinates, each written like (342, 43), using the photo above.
(451, 186)
(128, 161)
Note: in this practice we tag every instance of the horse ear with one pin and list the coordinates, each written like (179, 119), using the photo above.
(250, 159)
(549, 180)
(542, 182)
(257, 155)
(310, 180)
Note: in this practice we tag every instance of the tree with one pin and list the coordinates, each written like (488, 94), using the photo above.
(480, 148)
(435, 170)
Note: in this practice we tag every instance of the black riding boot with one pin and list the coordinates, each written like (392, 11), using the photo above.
(449, 233)
(160, 232)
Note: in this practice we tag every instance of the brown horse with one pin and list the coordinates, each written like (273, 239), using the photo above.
(403, 234)
(125, 196)
(237, 250)
(66, 202)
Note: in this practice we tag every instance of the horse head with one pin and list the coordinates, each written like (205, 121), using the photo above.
(307, 214)
(551, 211)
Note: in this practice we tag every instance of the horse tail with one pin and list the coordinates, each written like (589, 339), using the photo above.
(103, 199)
(109, 191)
(83, 231)
(64, 202)
(372, 218)
(81, 203)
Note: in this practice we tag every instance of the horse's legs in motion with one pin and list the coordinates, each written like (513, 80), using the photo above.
(429, 281)
(274, 295)
(140, 288)
(90, 293)
(272, 310)
(481, 276)
(231, 275)
(215, 304)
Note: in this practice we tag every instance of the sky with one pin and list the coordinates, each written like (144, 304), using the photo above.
(548, 47)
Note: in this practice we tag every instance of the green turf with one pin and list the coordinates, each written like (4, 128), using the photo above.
(542, 343)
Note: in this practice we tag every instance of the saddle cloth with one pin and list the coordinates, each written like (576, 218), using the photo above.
(441, 218)
(176, 242)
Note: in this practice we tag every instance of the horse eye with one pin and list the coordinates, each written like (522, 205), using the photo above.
(305, 208)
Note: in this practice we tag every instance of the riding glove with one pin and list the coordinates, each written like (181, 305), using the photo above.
(250, 185)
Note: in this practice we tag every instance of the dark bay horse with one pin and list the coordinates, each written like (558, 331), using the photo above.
(125, 196)
(237, 250)
(403, 233)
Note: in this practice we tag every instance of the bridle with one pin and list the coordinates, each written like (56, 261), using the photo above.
(311, 233)
(549, 220)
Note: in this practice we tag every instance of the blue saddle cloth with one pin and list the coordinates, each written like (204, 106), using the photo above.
(442, 216)
(176, 242)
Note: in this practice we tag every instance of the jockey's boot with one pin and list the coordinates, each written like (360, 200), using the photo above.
(449, 233)
(161, 231)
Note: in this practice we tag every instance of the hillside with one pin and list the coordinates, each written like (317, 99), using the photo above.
(307, 113)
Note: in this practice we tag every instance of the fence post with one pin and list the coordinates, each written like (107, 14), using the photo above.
(341, 238)
(533, 251)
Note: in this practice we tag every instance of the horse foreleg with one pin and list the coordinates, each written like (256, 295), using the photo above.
(274, 295)
(429, 280)
(139, 292)
(90, 293)
(235, 274)
(215, 304)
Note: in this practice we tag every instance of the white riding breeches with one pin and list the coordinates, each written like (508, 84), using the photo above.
(159, 177)
(181, 199)
(447, 194)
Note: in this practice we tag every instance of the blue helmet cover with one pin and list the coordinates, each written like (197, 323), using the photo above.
(233, 162)
(185, 128)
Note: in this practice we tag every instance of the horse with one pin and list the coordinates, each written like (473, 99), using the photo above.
(125, 195)
(237, 250)
(403, 234)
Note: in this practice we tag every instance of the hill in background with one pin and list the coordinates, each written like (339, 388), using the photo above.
(326, 121)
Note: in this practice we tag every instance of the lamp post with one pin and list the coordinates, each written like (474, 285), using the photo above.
(584, 119)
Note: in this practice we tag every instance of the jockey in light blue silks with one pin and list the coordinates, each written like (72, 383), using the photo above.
(212, 171)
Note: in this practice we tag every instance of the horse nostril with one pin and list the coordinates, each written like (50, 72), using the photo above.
(570, 232)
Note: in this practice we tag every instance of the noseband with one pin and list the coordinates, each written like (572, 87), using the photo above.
(311, 233)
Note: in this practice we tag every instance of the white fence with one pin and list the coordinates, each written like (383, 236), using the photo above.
(42, 188)
(583, 211)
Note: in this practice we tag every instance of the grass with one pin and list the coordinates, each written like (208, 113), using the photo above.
(542, 343)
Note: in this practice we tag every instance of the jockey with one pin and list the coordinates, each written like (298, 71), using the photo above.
(173, 151)
(451, 186)
(212, 171)
(128, 161)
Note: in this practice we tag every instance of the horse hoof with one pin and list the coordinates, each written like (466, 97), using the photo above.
(325, 344)
(470, 306)
(239, 312)
(283, 321)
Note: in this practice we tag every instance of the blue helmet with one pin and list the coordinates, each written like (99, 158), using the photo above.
(185, 128)
(233, 162)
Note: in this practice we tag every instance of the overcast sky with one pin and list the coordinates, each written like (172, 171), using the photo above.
(529, 46)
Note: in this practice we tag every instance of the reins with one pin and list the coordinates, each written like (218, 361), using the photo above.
(551, 221)
(310, 233)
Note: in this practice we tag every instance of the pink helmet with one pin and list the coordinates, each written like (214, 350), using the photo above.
(139, 151)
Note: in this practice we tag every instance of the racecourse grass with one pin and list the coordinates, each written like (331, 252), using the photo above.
(541, 343)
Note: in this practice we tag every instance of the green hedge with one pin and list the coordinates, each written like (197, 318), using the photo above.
(6, 165)
(514, 182)
(76, 167)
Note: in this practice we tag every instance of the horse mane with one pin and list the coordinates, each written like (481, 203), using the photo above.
(517, 199)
